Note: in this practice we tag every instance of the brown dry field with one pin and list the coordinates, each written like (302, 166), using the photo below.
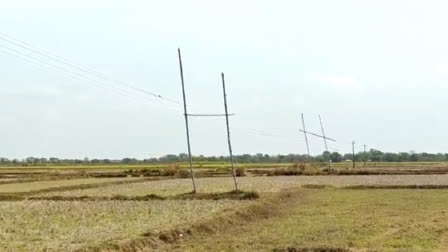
(69, 226)
(56, 222)
(43, 185)
(259, 184)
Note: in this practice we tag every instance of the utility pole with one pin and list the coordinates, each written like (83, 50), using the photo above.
(365, 155)
(323, 133)
(325, 141)
(186, 121)
(316, 135)
(306, 140)
(353, 150)
(228, 130)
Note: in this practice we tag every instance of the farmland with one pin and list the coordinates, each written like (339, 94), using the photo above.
(258, 184)
(381, 220)
(75, 211)
(280, 126)
(67, 226)
(43, 185)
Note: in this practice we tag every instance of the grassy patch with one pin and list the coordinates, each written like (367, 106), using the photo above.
(357, 220)
(266, 208)
(317, 186)
(360, 187)
(73, 225)
(234, 195)
(11, 197)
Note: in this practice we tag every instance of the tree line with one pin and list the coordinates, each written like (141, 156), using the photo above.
(372, 156)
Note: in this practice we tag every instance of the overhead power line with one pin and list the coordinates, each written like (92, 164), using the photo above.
(209, 115)
(31, 54)
(27, 46)
(39, 62)
(263, 133)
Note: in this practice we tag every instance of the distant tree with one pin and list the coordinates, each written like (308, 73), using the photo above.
(183, 156)
(403, 157)
(390, 157)
(413, 157)
(129, 161)
(169, 158)
(326, 155)
(440, 157)
(30, 160)
(347, 156)
(95, 161)
(336, 157)
(4, 161)
(375, 155)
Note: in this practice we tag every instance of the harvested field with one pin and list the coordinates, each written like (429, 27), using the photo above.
(42, 185)
(103, 212)
(67, 226)
(341, 220)
(7, 180)
(259, 184)
(232, 195)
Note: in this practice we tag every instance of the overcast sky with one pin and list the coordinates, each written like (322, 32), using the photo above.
(376, 71)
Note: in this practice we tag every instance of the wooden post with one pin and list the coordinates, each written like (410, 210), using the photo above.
(353, 150)
(325, 141)
(186, 121)
(364, 155)
(228, 130)
(306, 140)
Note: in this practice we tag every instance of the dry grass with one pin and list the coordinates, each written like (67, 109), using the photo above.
(240, 172)
(71, 225)
(260, 210)
(41, 185)
(258, 184)
(8, 180)
(233, 195)
(342, 220)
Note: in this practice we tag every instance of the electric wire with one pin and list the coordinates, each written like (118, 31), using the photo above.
(25, 57)
(61, 60)
(37, 61)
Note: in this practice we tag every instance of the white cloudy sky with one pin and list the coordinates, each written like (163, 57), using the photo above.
(376, 71)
